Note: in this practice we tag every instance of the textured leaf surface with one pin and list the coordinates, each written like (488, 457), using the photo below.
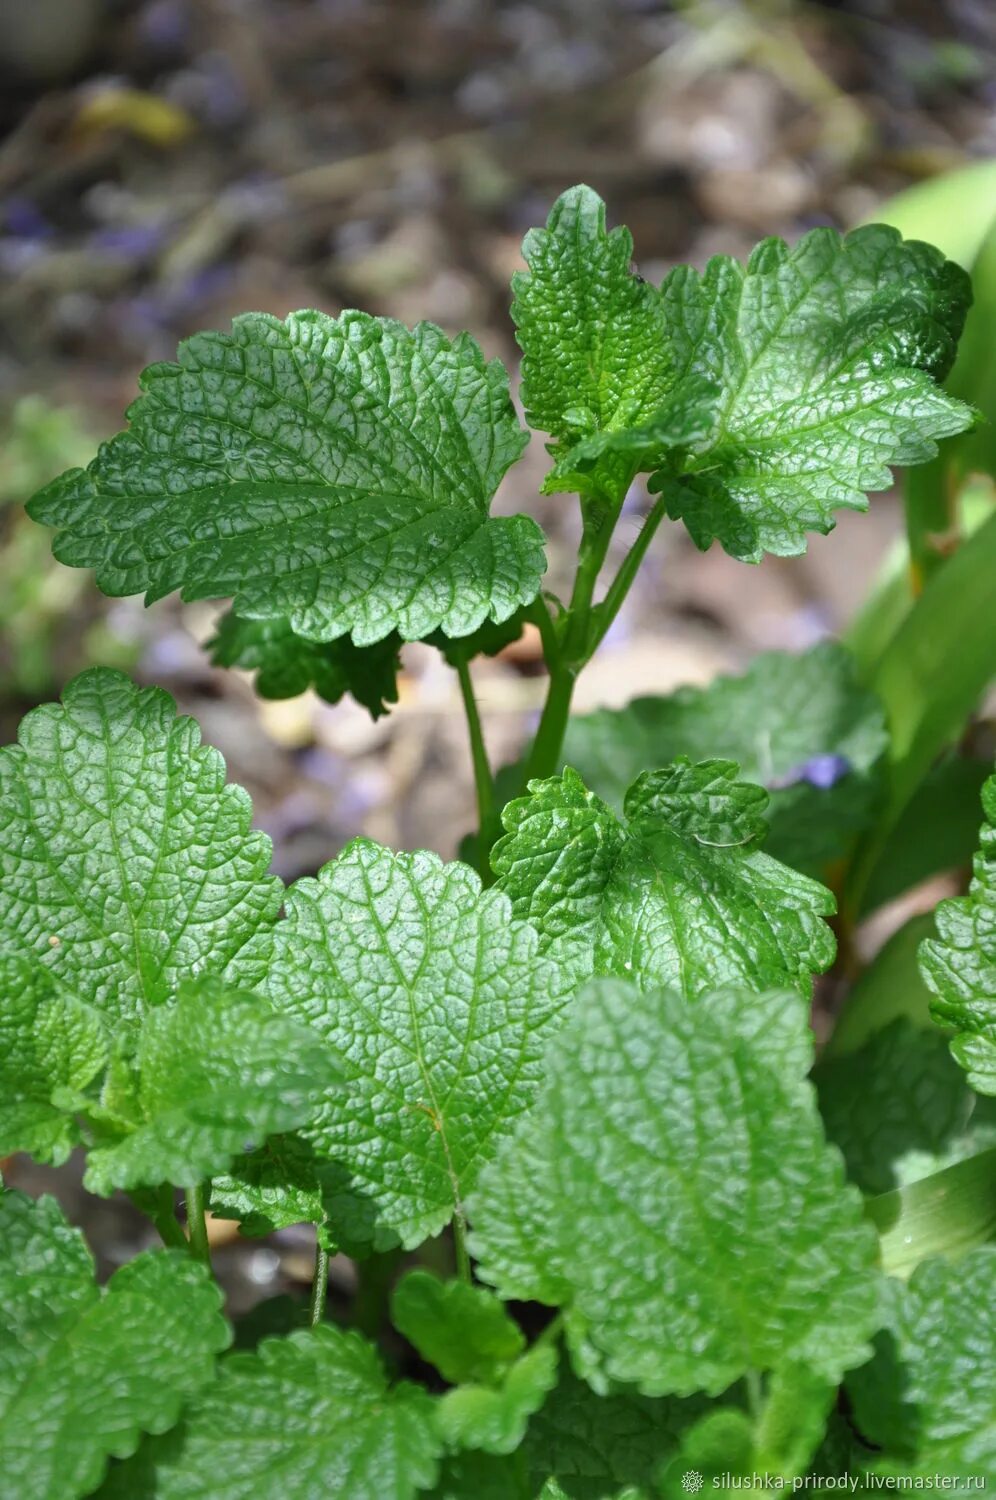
(83, 1371)
(286, 664)
(271, 1188)
(51, 1047)
(592, 333)
(463, 1330)
(436, 1007)
(824, 355)
(308, 1415)
(900, 1109)
(690, 1209)
(678, 894)
(334, 472)
(126, 863)
(493, 1419)
(960, 966)
(799, 725)
(218, 1069)
(930, 1394)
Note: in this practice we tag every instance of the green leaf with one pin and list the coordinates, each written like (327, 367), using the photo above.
(286, 664)
(593, 334)
(126, 863)
(960, 966)
(678, 894)
(930, 1394)
(824, 355)
(310, 1415)
(673, 1186)
(596, 1446)
(463, 1330)
(791, 722)
(51, 1047)
(217, 1069)
(334, 472)
(899, 1109)
(494, 1420)
(84, 1371)
(436, 1007)
(272, 1188)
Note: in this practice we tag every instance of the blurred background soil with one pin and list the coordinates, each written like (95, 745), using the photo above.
(165, 164)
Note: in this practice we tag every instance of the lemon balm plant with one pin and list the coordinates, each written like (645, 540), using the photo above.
(588, 1063)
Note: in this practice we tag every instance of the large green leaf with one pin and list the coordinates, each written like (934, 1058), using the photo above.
(435, 1006)
(84, 1371)
(960, 965)
(306, 1416)
(126, 863)
(801, 725)
(677, 894)
(216, 1070)
(672, 1187)
(334, 472)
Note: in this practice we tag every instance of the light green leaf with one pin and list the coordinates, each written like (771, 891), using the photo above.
(463, 1330)
(899, 1108)
(929, 1396)
(286, 664)
(315, 1415)
(678, 894)
(216, 1070)
(126, 863)
(84, 1371)
(337, 473)
(673, 1185)
(592, 333)
(960, 966)
(791, 722)
(948, 1213)
(436, 1007)
(494, 1420)
(51, 1047)
(824, 355)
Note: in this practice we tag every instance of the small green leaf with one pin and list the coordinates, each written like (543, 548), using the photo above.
(306, 1416)
(679, 894)
(960, 966)
(336, 473)
(216, 1070)
(929, 1396)
(287, 664)
(51, 1047)
(826, 356)
(800, 725)
(84, 1371)
(126, 863)
(494, 1420)
(278, 1185)
(899, 1108)
(592, 333)
(672, 1184)
(463, 1330)
(436, 1007)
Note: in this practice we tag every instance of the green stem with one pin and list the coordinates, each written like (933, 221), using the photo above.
(197, 1197)
(628, 569)
(374, 1279)
(460, 1246)
(320, 1284)
(542, 619)
(544, 754)
(164, 1218)
(483, 779)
